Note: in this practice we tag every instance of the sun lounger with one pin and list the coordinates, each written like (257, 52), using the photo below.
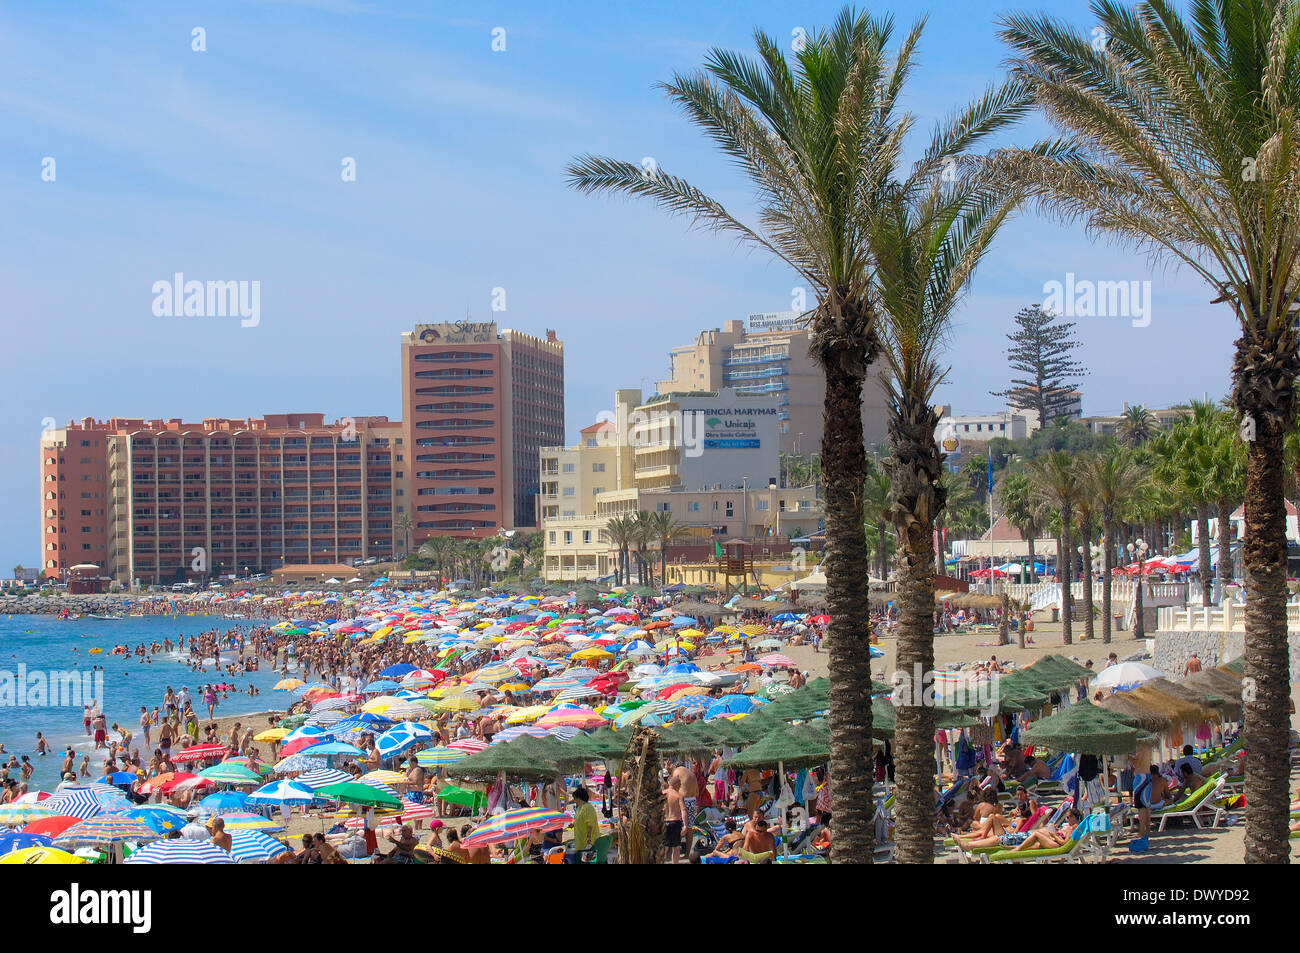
(974, 855)
(1083, 843)
(1196, 804)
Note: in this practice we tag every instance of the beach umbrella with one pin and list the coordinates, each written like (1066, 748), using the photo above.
(775, 660)
(328, 749)
(17, 814)
(353, 792)
(1085, 729)
(103, 830)
(438, 757)
(223, 802)
(50, 826)
(282, 792)
(520, 758)
(731, 705)
(1125, 675)
(81, 802)
(159, 820)
(41, 855)
(380, 776)
(801, 746)
(271, 734)
(199, 753)
(229, 772)
(18, 840)
(247, 821)
(181, 852)
(513, 825)
(401, 737)
(250, 846)
(322, 777)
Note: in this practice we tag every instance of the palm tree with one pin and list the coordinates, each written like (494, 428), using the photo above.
(620, 530)
(817, 139)
(876, 498)
(1136, 425)
(1179, 137)
(642, 537)
(1229, 479)
(1185, 456)
(1113, 479)
(928, 234)
(666, 529)
(403, 524)
(1054, 482)
(1087, 507)
(1020, 510)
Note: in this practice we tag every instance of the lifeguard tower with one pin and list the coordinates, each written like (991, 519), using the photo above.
(735, 566)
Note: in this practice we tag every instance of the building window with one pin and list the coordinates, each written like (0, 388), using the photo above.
(598, 468)
(552, 538)
(568, 491)
(693, 506)
(568, 468)
(760, 505)
(568, 537)
(586, 536)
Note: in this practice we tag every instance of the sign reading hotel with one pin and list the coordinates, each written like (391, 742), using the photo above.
(457, 332)
(776, 321)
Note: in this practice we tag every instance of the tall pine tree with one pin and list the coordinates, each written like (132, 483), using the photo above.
(1043, 351)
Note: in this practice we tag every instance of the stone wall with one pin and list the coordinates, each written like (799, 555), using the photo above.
(1173, 649)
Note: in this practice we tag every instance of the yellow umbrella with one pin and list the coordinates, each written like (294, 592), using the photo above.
(384, 777)
(691, 634)
(753, 629)
(380, 705)
(592, 653)
(41, 855)
(289, 684)
(457, 703)
(514, 687)
(271, 734)
(525, 715)
(669, 643)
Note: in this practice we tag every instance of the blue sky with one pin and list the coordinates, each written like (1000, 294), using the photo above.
(225, 165)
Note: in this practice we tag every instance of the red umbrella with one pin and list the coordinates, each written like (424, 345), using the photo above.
(51, 826)
(821, 620)
(200, 753)
(299, 744)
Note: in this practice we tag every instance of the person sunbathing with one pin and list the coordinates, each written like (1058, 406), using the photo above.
(1048, 837)
(1034, 769)
(730, 842)
(987, 832)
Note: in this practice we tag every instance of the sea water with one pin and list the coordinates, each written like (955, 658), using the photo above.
(48, 647)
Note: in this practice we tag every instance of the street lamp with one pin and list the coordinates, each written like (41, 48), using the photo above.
(1138, 549)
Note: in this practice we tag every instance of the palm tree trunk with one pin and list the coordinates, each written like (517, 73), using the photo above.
(844, 467)
(1004, 620)
(883, 547)
(1266, 687)
(1108, 547)
(1225, 545)
(1067, 600)
(915, 472)
(1033, 576)
(1085, 532)
(1203, 545)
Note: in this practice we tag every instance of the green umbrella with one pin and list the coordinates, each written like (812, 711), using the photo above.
(1086, 729)
(293, 721)
(230, 773)
(474, 800)
(354, 792)
(520, 758)
(802, 746)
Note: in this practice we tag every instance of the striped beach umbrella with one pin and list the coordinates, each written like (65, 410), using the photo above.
(322, 777)
(381, 776)
(282, 792)
(80, 802)
(775, 660)
(254, 847)
(105, 829)
(515, 824)
(438, 757)
(223, 802)
(181, 852)
(229, 772)
(247, 821)
(468, 744)
(16, 815)
(401, 737)
(17, 840)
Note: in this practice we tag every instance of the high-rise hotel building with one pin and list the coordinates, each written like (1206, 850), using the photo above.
(478, 404)
(163, 500)
(160, 501)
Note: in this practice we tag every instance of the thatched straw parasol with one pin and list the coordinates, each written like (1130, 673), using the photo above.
(1140, 715)
(1224, 707)
(1085, 729)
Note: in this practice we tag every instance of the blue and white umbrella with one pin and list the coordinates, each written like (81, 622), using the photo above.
(401, 737)
(84, 803)
(731, 705)
(397, 671)
(254, 847)
(181, 852)
(331, 748)
(299, 763)
(380, 686)
(282, 792)
(224, 802)
(17, 840)
(322, 777)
